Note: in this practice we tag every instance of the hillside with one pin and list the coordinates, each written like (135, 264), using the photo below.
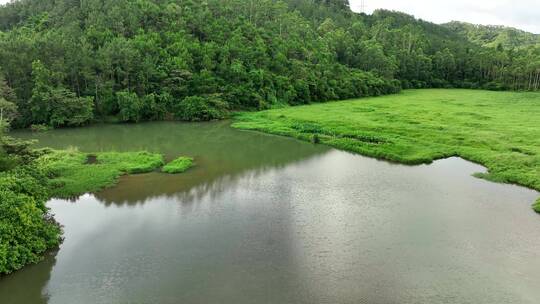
(72, 62)
(494, 36)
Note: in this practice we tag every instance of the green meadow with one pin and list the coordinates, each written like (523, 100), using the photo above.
(500, 130)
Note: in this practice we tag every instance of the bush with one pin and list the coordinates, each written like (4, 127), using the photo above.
(197, 108)
(493, 86)
(70, 110)
(39, 128)
(179, 165)
(130, 106)
(155, 106)
(27, 229)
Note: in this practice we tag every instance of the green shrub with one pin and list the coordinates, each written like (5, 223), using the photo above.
(39, 128)
(130, 106)
(179, 165)
(155, 106)
(54, 105)
(197, 108)
(27, 229)
(536, 206)
(69, 110)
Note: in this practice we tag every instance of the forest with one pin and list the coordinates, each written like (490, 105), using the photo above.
(67, 63)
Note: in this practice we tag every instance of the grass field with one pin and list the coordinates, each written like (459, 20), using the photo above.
(500, 130)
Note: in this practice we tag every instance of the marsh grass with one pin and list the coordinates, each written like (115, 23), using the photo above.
(72, 174)
(179, 165)
(500, 130)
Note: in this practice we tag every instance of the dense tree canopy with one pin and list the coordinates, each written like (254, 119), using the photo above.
(69, 62)
(495, 36)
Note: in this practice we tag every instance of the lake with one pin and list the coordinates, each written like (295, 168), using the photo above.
(266, 219)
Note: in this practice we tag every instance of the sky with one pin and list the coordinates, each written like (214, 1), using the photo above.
(522, 14)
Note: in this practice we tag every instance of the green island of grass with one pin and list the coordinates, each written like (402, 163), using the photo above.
(74, 172)
(499, 130)
(179, 165)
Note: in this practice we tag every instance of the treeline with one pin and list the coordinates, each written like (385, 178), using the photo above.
(69, 62)
(495, 35)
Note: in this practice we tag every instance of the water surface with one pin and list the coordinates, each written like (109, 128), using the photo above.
(265, 219)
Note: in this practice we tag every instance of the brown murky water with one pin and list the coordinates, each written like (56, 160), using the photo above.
(265, 219)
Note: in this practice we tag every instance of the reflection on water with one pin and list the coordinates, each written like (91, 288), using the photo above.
(219, 151)
(26, 285)
(280, 221)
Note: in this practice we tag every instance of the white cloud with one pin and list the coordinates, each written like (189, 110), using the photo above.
(522, 14)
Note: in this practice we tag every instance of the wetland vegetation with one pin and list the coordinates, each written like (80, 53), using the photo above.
(179, 165)
(499, 130)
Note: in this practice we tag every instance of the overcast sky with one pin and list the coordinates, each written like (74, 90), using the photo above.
(522, 14)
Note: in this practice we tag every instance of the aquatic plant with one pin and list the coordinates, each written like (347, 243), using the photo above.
(179, 165)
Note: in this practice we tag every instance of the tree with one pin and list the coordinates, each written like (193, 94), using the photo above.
(196, 108)
(56, 106)
(253, 54)
(6, 92)
(8, 108)
(8, 111)
(130, 106)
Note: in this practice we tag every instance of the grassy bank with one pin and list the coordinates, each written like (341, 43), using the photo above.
(73, 173)
(500, 130)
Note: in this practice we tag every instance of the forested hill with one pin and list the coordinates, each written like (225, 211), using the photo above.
(495, 36)
(68, 62)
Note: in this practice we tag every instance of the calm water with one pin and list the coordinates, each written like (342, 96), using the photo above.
(264, 219)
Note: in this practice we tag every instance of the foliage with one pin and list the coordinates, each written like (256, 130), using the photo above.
(130, 106)
(196, 108)
(73, 174)
(179, 165)
(14, 152)
(8, 111)
(26, 228)
(155, 59)
(40, 128)
(496, 129)
(495, 36)
(56, 106)
(8, 108)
